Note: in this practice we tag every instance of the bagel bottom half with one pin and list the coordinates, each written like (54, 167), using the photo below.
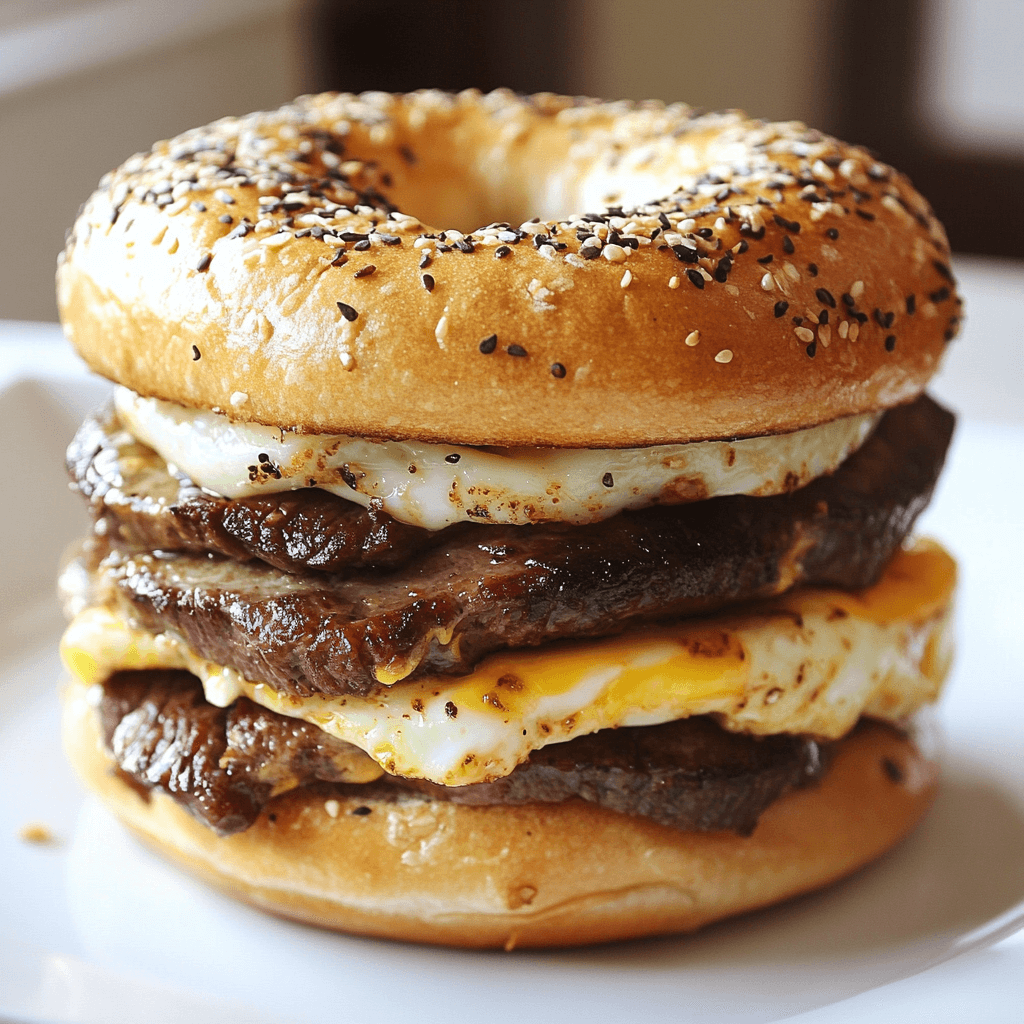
(531, 875)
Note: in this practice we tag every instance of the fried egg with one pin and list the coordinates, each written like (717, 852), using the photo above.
(435, 485)
(811, 661)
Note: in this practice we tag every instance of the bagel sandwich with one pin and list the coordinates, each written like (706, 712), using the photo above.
(544, 579)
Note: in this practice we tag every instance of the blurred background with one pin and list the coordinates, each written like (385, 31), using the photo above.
(935, 87)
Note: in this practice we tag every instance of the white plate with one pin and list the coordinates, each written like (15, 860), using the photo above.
(95, 928)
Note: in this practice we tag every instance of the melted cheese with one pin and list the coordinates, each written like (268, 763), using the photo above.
(433, 485)
(812, 661)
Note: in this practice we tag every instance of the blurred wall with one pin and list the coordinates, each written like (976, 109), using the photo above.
(58, 137)
(770, 59)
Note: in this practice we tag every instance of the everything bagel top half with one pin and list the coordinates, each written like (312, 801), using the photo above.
(489, 269)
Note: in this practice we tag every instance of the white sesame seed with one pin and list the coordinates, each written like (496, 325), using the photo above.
(224, 197)
(238, 398)
(421, 242)
(441, 330)
(854, 330)
(804, 334)
(844, 328)
(720, 224)
(332, 807)
(593, 242)
(276, 241)
(626, 278)
(172, 245)
(790, 271)
(732, 289)
(820, 169)
(768, 283)
(857, 289)
(614, 253)
(347, 360)
(813, 317)
(693, 339)
(673, 282)
(725, 356)
(825, 334)
(705, 274)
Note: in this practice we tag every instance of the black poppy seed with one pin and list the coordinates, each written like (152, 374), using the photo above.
(788, 225)
(686, 255)
(911, 303)
(940, 295)
(425, 261)
(722, 270)
(812, 269)
(340, 259)
(812, 348)
(347, 311)
(451, 710)
(263, 457)
(943, 270)
(890, 342)
(705, 232)
(362, 811)
(765, 259)
(883, 319)
(742, 246)
(489, 344)
(366, 271)
(798, 320)
(664, 221)
(832, 233)
(949, 334)
(199, 207)
(428, 282)
(787, 245)
(848, 300)
(501, 252)
(453, 458)
(204, 262)
(465, 245)
(516, 350)
(780, 308)
(861, 318)
(823, 317)
(391, 239)
(824, 295)
(695, 279)
(864, 214)
(557, 370)
(362, 246)
(352, 236)
(226, 218)
(607, 480)
(196, 354)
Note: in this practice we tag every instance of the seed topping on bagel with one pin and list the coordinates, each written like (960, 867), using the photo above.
(318, 193)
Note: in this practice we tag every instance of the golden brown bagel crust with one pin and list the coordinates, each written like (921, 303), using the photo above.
(180, 282)
(534, 875)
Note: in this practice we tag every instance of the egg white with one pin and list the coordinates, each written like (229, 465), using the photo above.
(435, 485)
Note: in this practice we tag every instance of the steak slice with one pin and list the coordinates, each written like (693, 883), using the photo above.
(494, 587)
(221, 764)
(224, 764)
(130, 487)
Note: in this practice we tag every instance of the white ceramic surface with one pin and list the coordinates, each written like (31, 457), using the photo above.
(95, 928)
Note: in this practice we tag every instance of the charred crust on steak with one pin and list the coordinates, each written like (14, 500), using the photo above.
(492, 588)
(221, 764)
(224, 765)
